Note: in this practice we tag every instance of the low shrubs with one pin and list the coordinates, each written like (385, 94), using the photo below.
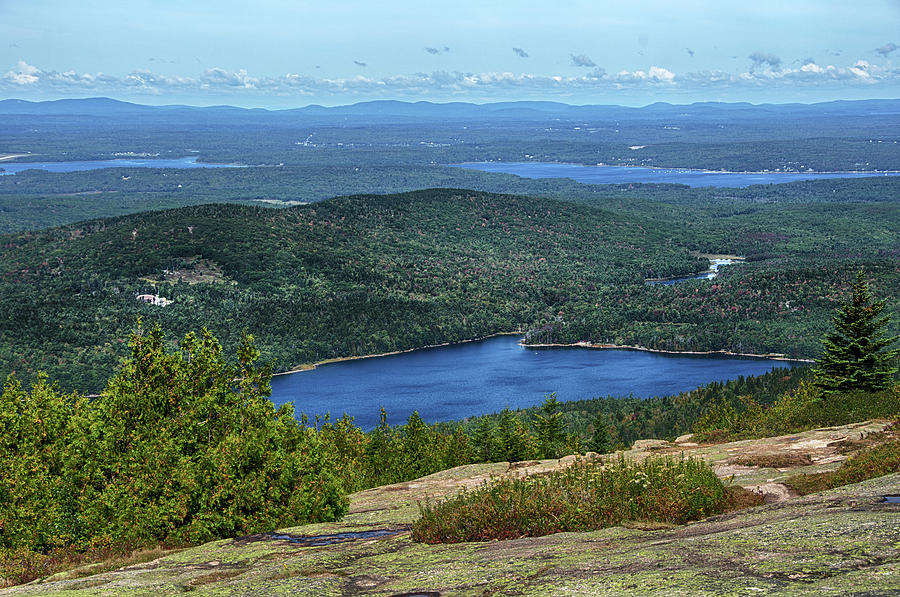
(181, 447)
(21, 565)
(580, 498)
(803, 409)
(876, 461)
(786, 460)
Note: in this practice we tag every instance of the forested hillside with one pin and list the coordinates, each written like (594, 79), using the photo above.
(350, 276)
(370, 274)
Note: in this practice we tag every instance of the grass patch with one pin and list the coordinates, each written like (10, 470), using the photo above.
(580, 498)
(740, 498)
(219, 575)
(873, 462)
(21, 565)
(773, 460)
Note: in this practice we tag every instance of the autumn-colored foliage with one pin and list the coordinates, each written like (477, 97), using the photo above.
(580, 498)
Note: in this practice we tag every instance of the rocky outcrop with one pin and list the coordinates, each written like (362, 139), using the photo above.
(840, 542)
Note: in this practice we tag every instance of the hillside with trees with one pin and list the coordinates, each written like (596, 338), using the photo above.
(377, 273)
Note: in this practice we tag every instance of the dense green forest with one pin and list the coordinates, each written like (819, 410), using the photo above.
(358, 275)
(376, 273)
(36, 199)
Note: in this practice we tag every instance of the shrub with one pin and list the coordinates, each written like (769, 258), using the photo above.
(180, 447)
(803, 409)
(580, 498)
(873, 462)
(36, 508)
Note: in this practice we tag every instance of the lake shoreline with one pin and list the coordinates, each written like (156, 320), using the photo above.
(312, 366)
(772, 356)
(696, 276)
(873, 172)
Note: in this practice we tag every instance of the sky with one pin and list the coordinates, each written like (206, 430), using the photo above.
(292, 53)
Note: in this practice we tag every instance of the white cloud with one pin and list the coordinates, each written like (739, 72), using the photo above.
(661, 74)
(23, 74)
(217, 83)
(230, 78)
(861, 70)
(26, 68)
(811, 67)
(656, 74)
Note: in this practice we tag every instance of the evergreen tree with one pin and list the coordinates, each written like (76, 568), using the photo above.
(381, 453)
(184, 446)
(37, 509)
(855, 355)
(513, 440)
(419, 450)
(551, 437)
(484, 440)
(600, 440)
(459, 449)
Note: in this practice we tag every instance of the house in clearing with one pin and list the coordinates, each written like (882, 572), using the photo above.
(154, 299)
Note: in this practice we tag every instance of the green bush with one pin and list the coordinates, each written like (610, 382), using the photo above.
(876, 461)
(803, 409)
(180, 447)
(36, 503)
(580, 498)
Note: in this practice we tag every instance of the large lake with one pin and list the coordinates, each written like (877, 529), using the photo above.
(634, 174)
(472, 378)
(10, 167)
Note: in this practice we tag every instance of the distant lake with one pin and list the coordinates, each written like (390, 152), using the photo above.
(714, 265)
(11, 167)
(635, 174)
(473, 378)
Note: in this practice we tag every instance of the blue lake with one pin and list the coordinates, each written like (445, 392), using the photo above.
(472, 378)
(11, 167)
(634, 174)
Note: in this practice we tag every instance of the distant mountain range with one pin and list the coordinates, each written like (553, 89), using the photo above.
(396, 111)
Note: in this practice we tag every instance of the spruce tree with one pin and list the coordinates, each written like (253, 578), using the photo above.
(514, 443)
(600, 440)
(484, 440)
(551, 436)
(855, 356)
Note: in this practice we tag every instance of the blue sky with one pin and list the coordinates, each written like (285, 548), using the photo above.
(279, 53)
